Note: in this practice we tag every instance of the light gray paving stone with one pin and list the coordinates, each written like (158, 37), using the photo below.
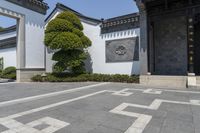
(177, 126)
(92, 114)
(154, 126)
(41, 127)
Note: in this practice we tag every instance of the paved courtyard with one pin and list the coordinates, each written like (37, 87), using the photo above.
(97, 108)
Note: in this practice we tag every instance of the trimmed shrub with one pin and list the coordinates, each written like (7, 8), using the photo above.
(72, 18)
(9, 76)
(60, 25)
(66, 77)
(9, 73)
(9, 70)
(65, 35)
(64, 41)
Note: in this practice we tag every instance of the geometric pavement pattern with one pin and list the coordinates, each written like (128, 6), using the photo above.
(52, 125)
(142, 119)
(17, 127)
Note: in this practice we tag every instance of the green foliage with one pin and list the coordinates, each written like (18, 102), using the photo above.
(9, 76)
(63, 41)
(1, 28)
(65, 34)
(9, 70)
(72, 18)
(1, 72)
(60, 25)
(86, 42)
(1, 63)
(71, 58)
(9, 73)
(78, 32)
(66, 77)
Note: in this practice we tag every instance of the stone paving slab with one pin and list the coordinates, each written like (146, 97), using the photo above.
(105, 108)
(11, 91)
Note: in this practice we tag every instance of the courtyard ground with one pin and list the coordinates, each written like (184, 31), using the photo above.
(97, 108)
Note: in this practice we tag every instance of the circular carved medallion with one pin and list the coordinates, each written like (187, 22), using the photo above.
(121, 50)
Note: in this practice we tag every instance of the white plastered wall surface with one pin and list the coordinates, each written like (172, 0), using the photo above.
(97, 63)
(49, 62)
(98, 51)
(8, 54)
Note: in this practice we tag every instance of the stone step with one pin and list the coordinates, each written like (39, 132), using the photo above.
(198, 80)
(175, 82)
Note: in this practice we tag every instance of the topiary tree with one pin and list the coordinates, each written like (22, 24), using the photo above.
(65, 35)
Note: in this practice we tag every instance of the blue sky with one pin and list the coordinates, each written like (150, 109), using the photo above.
(92, 8)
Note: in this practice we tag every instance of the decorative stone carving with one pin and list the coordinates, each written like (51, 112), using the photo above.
(122, 50)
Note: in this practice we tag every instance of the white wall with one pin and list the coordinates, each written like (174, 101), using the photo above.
(34, 34)
(9, 56)
(97, 51)
(49, 62)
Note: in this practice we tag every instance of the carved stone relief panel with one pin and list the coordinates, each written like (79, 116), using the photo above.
(122, 50)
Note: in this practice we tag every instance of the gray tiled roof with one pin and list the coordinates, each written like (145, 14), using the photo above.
(8, 43)
(8, 30)
(35, 5)
(120, 23)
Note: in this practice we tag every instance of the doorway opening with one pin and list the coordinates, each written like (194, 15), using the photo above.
(8, 47)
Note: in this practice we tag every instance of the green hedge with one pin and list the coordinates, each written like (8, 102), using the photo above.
(8, 73)
(55, 77)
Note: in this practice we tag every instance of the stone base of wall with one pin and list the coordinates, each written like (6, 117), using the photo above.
(25, 75)
(192, 80)
(198, 80)
(172, 82)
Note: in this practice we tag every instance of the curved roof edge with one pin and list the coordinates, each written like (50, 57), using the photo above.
(63, 7)
(136, 14)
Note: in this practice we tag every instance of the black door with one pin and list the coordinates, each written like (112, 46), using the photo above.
(197, 48)
(170, 45)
